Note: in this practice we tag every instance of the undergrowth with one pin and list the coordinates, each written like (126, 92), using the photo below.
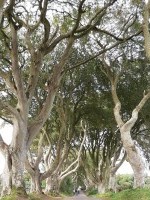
(130, 194)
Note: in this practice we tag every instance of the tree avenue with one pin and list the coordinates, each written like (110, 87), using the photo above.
(42, 43)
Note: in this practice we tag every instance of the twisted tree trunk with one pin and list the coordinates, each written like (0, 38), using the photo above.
(135, 158)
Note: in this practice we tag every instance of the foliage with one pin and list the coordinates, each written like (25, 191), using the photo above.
(124, 182)
(67, 186)
(147, 182)
(91, 191)
(134, 194)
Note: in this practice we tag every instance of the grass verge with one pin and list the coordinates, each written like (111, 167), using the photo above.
(132, 194)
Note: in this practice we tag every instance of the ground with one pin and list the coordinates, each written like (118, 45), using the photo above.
(80, 196)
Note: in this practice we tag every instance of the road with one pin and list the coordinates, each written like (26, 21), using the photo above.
(81, 196)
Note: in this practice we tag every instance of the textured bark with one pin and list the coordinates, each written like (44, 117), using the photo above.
(146, 29)
(6, 177)
(112, 182)
(101, 187)
(114, 168)
(133, 154)
(1, 8)
(35, 176)
(52, 184)
(18, 153)
(36, 183)
(103, 179)
(135, 158)
(49, 186)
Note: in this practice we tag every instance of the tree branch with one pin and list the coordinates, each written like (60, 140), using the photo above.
(15, 67)
(5, 105)
(146, 29)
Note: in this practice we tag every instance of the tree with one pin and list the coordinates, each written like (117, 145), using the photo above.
(132, 150)
(22, 61)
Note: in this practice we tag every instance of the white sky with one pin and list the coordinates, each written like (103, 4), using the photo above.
(125, 169)
(6, 133)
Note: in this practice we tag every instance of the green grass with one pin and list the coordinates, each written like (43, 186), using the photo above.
(132, 194)
(14, 194)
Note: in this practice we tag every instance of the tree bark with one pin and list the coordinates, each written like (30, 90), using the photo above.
(112, 182)
(18, 152)
(134, 157)
(36, 183)
(1, 8)
(52, 184)
(6, 177)
(103, 179)
(146, 32)
(114, 168)
(101, 187)
(133, 154)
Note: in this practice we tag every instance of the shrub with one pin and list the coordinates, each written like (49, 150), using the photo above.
(66, 186)
(124, 182)
(91, 191)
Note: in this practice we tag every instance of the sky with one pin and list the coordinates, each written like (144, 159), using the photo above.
(6, 133)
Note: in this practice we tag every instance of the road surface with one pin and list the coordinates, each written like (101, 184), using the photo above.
(80, 196)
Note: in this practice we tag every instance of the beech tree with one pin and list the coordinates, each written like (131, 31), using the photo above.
(133, 152)
(27, 40)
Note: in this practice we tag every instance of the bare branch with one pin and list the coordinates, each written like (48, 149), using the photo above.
(146, 29)
(52, 89)
(77, 161)
(15, 67)
(80, 11)
(130, 123)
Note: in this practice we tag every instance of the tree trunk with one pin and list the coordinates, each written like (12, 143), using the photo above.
(115, 166)
(52, 185)
(36, 183)
(1, 9)
(101, 187)
(49, 186)
(6, 175)
(134, 157)
(133, 153)
(112, 182)
(18, 152)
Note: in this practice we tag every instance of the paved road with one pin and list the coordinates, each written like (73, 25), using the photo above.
(81, 196)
